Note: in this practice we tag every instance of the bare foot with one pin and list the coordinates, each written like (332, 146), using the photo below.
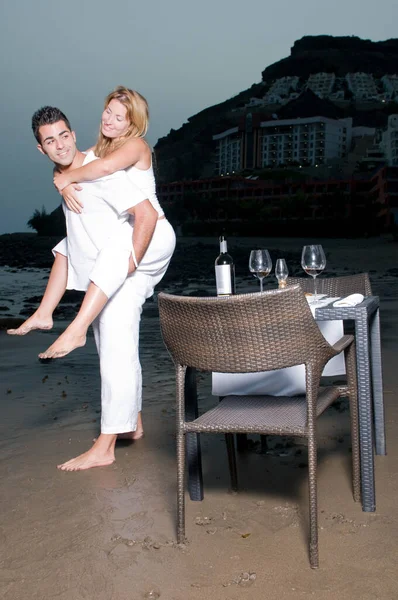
(131, 435)
(34, 322)
(88, 460)
(67, 341)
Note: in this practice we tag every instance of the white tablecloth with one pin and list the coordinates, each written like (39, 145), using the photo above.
(283, 382)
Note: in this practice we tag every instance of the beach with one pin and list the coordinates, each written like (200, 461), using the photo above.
(110, 533)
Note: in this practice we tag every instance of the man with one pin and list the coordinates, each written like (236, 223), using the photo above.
(98, 242)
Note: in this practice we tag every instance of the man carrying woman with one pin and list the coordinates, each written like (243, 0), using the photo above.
(118, 247)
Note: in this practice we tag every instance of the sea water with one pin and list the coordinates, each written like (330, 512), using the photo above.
(17, 286)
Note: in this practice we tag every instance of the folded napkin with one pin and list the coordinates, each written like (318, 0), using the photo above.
(351, 300)
(322, 302)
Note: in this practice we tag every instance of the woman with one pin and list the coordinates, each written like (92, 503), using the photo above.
(120, 146)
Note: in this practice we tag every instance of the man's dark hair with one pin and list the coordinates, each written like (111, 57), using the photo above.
(47, 115)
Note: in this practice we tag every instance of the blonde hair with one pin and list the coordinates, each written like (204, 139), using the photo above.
(137, 115)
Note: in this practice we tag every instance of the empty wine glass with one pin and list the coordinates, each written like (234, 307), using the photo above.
(260, 264)
(281, 272)
(313, 261)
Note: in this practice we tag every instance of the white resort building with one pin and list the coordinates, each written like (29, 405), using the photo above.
(389, 141)
(390, 85)
(321, 84)
(313, 140)
(362, 85)
(228, 151)
(302, 141)
(281, 89)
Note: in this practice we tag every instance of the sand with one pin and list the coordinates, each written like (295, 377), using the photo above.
(109, 533)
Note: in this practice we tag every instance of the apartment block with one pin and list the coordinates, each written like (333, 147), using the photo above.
(390, 85)
(302, 141)
(309, 141)
(281, 88)
(228, 151)
(321, 84)
(362, 85)
(389, 141)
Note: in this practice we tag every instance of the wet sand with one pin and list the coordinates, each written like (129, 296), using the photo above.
(109, 533)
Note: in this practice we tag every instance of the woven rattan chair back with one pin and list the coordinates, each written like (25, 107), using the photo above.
(335, 286)
(243, 333)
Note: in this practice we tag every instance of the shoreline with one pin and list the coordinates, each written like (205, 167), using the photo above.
(110, 533)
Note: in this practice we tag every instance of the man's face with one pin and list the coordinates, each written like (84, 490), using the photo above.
(58, 143)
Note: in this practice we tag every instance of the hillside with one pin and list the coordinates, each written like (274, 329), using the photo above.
(187, 153)
(339, 55)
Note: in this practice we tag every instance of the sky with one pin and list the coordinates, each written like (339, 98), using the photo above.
(182, 56)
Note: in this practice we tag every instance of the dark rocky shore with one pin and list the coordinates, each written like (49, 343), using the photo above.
(191, 271)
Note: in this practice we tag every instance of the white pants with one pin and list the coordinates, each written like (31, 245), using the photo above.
(116, 330)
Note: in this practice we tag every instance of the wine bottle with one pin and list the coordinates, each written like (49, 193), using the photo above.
(225, 270)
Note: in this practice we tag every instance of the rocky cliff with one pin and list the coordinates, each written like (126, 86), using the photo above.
(187, 153)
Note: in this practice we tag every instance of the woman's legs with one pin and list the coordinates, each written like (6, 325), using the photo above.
(75, 334)
(56, 285)
(108, 275)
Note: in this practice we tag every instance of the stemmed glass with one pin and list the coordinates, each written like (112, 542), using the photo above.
(281, 272)
(313, 261)
(260, 264)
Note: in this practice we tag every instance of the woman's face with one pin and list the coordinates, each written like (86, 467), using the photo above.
(114, 122)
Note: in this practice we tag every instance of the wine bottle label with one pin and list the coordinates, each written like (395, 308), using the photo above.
(223, 246)
(223, 279)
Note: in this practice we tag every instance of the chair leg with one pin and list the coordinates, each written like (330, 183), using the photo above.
(180, 488)
(353, 399)
(241, 442)
(233, 472)
(313, 508)
(263, 444)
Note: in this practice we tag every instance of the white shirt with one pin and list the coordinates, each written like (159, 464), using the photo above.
(104, 221)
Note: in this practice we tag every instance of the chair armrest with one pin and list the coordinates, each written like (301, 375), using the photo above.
(343, 343)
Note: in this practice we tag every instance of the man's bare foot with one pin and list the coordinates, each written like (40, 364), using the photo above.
(66, 342)
(131, 435)
(101, 454)
(137, 434)
(88, 460)
(34, 322)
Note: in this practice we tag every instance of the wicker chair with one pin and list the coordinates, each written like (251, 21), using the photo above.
(335, 286)
(224, 334)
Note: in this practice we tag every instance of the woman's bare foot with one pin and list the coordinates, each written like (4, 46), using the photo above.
(35, 321)
(101, 454)
(69, 340)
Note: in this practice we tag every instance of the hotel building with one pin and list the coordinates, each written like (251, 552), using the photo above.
(389, 142)
(321, 84)
(303, 141)
(362, 85)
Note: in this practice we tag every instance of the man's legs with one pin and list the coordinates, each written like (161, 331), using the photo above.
(116, 332)
(56, 285)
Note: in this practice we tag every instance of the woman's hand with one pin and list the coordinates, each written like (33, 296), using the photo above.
(71, 199)
(61, 180)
